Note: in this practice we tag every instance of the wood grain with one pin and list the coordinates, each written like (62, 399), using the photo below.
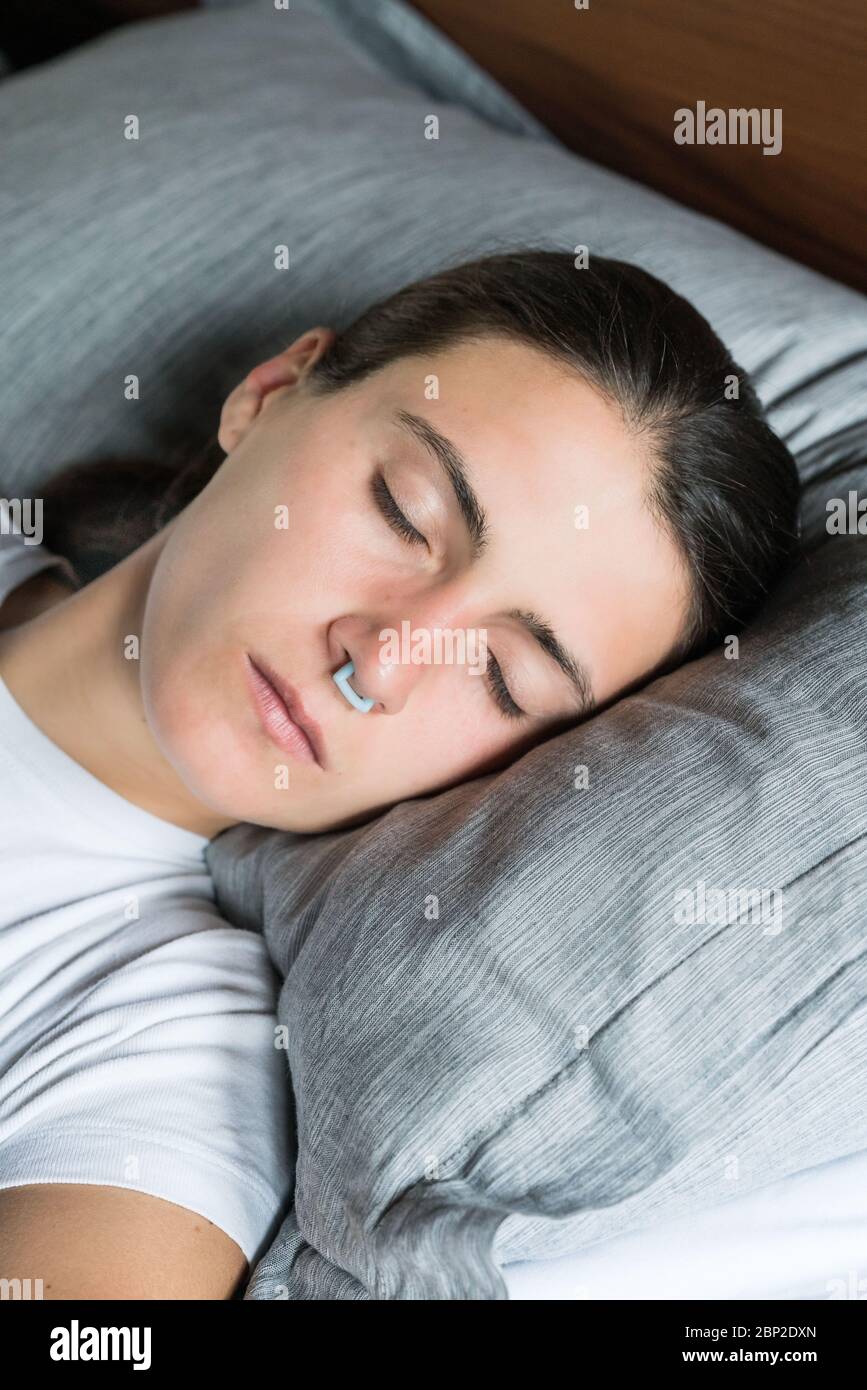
(607, 81)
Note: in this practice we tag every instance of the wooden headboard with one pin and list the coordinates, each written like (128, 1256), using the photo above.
(608, 79)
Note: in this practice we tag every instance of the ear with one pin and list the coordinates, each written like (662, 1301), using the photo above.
(287, 369)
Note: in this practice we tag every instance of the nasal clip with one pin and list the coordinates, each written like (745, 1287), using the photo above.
(341, 680)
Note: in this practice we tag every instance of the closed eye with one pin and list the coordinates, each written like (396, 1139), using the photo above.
(499, 690)
(404, 528)
(392, 513)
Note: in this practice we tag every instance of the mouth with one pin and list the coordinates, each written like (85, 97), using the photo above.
(282, 714)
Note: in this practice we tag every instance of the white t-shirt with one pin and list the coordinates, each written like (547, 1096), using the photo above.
(136, 1026)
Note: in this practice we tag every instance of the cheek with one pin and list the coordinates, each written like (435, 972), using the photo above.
(452, 733)
(192, 698)
(220, 762)
(177, 703)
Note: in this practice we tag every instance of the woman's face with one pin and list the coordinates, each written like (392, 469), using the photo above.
(449, 493)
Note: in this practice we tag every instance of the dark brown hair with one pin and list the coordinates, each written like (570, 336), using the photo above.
(721, 482)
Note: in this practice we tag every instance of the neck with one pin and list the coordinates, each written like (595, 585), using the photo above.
(68, 671)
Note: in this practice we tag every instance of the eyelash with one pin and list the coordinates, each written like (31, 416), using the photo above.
(398, 523)
(392, 513)
(500, 691)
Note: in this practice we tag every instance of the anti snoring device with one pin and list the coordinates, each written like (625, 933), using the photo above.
(341, 680)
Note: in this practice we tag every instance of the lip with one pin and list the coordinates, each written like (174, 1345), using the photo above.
(282, 714)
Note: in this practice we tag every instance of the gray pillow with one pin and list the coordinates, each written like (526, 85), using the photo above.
(261, 127)
(586, 1036)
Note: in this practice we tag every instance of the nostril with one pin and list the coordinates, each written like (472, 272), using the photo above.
(341, 680)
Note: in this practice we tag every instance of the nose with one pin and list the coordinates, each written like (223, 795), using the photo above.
(376, 652)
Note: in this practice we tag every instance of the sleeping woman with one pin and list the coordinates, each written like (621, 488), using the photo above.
(566, 461)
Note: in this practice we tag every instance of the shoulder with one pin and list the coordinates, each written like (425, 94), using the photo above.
(34, 596)
(33, 577)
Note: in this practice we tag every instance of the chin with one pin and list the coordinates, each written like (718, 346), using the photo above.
(233, 777)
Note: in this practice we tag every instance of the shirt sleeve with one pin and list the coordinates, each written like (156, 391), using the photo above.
(164, 1078)
(21, 557)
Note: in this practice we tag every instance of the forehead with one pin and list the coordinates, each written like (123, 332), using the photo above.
(490, 386)
(526, 422)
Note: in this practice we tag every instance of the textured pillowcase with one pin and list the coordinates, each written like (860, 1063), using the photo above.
(261, 128)
(557, 1057)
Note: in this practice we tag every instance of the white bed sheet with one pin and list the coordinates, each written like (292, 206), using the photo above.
(802, 1238)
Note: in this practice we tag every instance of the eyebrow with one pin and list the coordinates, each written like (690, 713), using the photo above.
(475, 519)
